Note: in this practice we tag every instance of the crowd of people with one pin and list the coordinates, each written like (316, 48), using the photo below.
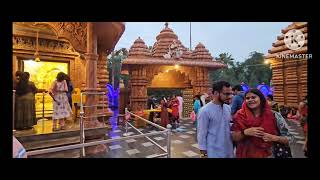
(243, 124)
(233, 124)
(171, 110)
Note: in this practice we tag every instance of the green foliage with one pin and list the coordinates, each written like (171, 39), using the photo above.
(114, 67)
(252, 71)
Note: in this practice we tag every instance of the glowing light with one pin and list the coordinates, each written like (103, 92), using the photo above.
(167, 70)
(37, 59)
(176, 66)
(266, 61)
(30, 63)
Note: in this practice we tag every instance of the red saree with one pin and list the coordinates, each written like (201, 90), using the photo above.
(253, 147)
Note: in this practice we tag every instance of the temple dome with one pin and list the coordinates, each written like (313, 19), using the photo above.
(201, 53)
(139, 48)
(165, 39)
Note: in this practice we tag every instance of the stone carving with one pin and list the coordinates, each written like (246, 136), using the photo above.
(174, 51)
(75, 32)
(45, 45)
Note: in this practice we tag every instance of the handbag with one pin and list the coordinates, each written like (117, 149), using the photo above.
(281, 150)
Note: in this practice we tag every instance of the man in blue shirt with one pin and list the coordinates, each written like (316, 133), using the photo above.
(237, 100)
(214, 137)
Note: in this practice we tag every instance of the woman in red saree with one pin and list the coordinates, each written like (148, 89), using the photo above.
(175, 109)
(256, 127)
(164, 114)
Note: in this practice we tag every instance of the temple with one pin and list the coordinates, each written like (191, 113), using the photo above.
(78, 49)
(289, 68)
(169, 64)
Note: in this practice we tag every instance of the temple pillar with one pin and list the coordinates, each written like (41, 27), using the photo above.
(205, 83)
(138, 94)
(197, 82)
(91, 58)
(102, 80)
(91, 77)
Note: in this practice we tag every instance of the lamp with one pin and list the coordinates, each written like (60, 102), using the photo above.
(36, 54)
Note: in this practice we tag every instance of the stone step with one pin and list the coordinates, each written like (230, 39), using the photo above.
(34, 142)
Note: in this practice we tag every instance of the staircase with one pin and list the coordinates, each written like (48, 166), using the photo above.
(57, 139)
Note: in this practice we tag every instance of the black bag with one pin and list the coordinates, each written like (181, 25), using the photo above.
(281, 150)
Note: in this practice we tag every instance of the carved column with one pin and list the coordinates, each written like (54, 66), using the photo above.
(138, 94)
(205, 83)
(197, 81)
(91, 77)
(102, 80)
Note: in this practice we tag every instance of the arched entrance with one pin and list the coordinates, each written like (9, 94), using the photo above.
(147, 68)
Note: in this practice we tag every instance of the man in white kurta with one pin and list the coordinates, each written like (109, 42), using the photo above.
(214, 136)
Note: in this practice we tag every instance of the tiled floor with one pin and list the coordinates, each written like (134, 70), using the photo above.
(183, 144)
(296, 130)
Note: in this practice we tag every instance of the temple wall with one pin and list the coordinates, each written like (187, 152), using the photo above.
(289, 78)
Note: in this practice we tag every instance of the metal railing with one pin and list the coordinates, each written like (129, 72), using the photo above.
(164, 130)
(82, 144)
(43, 110)
(82, 135)
(13, 108)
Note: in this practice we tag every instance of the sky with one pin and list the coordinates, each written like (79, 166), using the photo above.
(236, 38)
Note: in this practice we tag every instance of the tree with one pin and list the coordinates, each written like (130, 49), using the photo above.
(114, 66)
(224, 74)
(255, 71)
(252, 71)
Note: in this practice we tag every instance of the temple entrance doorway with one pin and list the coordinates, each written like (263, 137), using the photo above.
(43, 74)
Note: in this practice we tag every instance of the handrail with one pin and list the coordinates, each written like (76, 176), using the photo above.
(94, 93)
(76, 146)
(13, 108)
(82, 143)
(99, 115)
(43, 111)
(82, 135)
(97, 105)
(157, 155)
(154, 124)
(148, 137)
(168, 151)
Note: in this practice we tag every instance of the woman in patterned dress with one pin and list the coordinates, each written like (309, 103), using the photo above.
(61, 106)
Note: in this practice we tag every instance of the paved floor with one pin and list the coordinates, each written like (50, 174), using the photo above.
(183, 142)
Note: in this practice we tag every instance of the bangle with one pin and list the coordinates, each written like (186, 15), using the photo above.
(279, 139)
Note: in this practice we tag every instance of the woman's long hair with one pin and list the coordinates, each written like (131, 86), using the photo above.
(60, 76)
(23, 84)
(261, 96)
(199, 98)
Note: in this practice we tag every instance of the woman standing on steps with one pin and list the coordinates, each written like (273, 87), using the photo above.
(61, 106)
